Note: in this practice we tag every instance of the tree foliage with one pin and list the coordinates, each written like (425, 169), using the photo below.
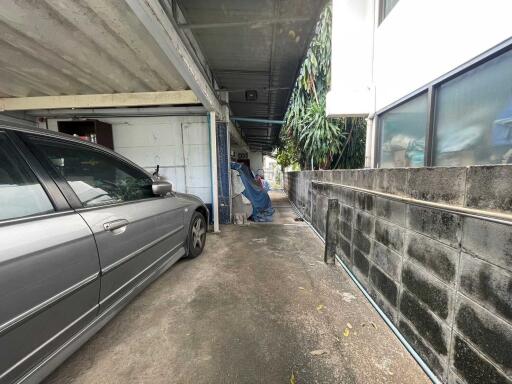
(308, 135)
(287, 155)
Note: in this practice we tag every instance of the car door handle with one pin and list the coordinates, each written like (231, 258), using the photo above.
(116, 224)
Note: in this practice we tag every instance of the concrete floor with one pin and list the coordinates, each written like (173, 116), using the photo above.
(251, 309)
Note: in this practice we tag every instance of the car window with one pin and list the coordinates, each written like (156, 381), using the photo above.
(96, 177)
(21, 194)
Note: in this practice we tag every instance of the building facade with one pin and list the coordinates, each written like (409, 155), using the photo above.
(433, 77)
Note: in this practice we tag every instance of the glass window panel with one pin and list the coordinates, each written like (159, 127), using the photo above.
(474, 116)
(96, 177)
(403, 134)
(386, 7)
(20, 192)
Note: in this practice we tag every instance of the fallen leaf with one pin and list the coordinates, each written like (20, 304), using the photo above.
(320, 307)
(368, 324)
(346, 332)
(347, 297)
(292, 379)
(319, 352)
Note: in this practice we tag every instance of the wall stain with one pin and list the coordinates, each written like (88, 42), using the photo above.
(473, 368)
(435, 259)
(424, 322)
(493, 341)
(435, 297)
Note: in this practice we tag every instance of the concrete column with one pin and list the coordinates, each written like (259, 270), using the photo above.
(331, 230)
(214, 173)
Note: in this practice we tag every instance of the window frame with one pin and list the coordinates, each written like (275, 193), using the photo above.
(51, 190)
(432, 89)
(378, 141)
(62, 183)
(383, 16)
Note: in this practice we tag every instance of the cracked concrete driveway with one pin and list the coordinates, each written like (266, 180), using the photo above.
(251, 309)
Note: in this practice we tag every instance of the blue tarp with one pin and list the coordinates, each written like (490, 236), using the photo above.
(261, 205)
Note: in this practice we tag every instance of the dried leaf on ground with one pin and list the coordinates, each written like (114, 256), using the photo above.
(319, 352)
(368, 324)
(346, 332)
(320, 307)
(347, 297)
(292, 379)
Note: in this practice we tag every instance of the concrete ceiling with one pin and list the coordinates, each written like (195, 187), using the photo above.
(254, 45)
(61, 47)
(69, 47)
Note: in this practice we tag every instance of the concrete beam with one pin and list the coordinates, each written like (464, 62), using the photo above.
(257, 120)
(248, 23)
(236, 136)
(158, 24)
(98, 101)
(119, 112)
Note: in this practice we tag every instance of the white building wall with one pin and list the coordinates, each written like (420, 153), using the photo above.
(351, 57)
(419, 41)
(179, 144)
(256, 158)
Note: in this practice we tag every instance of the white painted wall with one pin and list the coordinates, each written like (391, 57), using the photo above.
(351, 57)
(417, 42)
(421, 40)
(179, 144)
(256, 158)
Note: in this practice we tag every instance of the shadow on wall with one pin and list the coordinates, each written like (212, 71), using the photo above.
(443, 277)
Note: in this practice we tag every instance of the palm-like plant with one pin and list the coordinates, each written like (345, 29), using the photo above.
(324, 141)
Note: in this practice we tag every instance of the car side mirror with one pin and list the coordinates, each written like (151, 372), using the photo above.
(161, 188)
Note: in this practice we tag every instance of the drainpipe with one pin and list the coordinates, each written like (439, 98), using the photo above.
(214, 176)
(255, 120)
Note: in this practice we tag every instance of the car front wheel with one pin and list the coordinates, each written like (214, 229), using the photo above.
(196, 235)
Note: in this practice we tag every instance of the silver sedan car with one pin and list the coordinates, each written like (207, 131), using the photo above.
(82, 231)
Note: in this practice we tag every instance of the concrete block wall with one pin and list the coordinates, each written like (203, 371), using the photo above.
(443, 277)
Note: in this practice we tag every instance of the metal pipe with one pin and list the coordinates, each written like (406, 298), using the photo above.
(497, 217)
(390, 324)
(256, 120)
(384, 317)
(214, 175)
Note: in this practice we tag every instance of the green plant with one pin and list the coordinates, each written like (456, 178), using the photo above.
(286, 155)
(308, 135)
